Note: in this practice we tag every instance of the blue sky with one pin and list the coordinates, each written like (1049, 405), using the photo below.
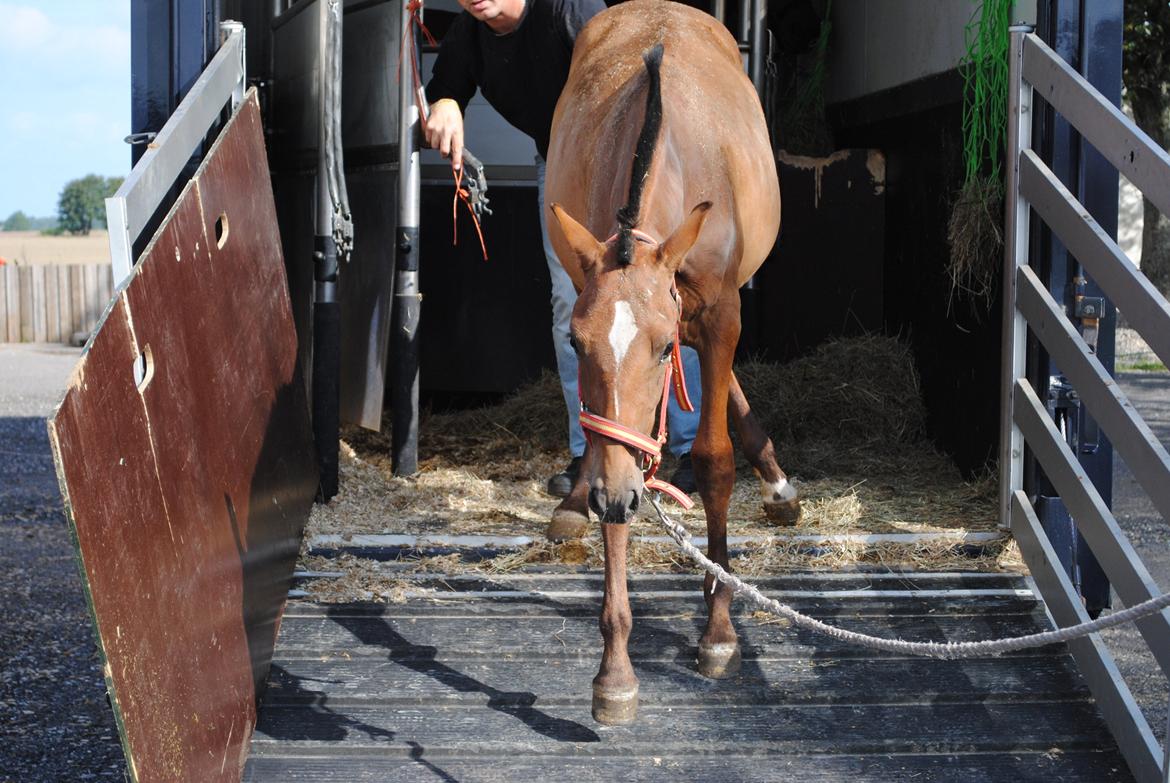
(65, 88)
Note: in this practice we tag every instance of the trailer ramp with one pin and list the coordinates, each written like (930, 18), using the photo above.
(488, 679)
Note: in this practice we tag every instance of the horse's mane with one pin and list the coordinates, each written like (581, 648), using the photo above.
(627, 216)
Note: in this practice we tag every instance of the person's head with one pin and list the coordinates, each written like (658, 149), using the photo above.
(501, 15)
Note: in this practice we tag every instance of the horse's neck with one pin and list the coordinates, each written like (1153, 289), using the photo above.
(661, 208)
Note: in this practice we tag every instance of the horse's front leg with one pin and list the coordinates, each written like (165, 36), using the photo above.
(615, 688)
(719, 654)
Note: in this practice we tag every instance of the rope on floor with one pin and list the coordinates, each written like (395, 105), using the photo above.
(943, 650)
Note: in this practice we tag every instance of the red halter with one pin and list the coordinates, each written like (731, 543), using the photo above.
(650, 448)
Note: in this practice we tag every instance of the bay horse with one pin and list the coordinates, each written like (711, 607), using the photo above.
(659, 143)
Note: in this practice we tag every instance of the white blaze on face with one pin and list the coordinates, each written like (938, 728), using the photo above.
(775, 492)
(621, 335)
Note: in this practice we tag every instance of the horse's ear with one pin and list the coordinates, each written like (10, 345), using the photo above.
(674, 250)
(586, 248)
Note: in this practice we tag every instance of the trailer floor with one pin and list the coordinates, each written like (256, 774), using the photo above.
(488, 679)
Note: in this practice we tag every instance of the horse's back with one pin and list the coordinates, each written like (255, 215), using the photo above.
(710, 112)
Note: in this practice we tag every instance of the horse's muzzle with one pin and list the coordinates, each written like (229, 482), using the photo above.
(616, 508)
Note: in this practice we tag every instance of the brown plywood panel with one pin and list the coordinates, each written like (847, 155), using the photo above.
(185, 456)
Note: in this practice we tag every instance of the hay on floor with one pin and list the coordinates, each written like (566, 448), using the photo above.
(848, 423)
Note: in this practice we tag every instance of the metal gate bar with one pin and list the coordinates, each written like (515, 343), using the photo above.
(1113, 697)
(1094, 520)
(1038, 70)
(132, 206)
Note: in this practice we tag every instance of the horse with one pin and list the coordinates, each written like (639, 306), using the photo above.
(660, 144)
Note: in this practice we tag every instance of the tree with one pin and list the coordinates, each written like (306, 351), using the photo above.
(82, 203)
(1146, 74)
(18, 221)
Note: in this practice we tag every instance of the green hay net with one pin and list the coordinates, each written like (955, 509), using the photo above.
(975, 231)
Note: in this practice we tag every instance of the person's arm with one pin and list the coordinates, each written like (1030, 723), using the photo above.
(451, 86)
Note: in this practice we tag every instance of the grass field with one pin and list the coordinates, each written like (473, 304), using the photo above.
(30, 247)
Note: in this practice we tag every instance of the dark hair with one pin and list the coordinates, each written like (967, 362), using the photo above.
(627, 216)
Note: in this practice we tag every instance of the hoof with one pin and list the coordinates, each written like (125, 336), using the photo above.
(567, 525)
(783, 512)
(719, 660)
(615, 706)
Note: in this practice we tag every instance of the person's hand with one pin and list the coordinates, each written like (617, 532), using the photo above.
(444, 131)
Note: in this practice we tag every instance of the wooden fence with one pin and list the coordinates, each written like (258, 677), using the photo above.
(49, 303)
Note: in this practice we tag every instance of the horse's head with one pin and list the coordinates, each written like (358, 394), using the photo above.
(624, 327)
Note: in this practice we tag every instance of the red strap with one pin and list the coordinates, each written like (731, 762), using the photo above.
(408, 43)
(609, 428)
(676, 494)
(462, 193)
(680, 379)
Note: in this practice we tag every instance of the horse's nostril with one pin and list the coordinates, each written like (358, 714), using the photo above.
(634, 501)
(598, 500)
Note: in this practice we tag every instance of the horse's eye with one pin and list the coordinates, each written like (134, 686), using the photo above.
(668, 351)
(573, 343)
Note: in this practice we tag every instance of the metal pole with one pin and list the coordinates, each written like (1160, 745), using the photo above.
(1016, 240)
(326, 309)
(227, 29)
(758, 53)
(407, 299)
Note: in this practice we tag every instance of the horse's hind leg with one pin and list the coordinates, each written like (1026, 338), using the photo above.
(781, 503)
(615, 688)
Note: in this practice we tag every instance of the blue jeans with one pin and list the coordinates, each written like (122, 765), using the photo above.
(682, 426)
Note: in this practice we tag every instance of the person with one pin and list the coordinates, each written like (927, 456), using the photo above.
(517, 53)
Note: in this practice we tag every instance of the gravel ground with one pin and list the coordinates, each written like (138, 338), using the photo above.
(55, 724)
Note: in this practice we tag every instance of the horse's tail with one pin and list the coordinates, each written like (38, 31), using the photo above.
(643, 153)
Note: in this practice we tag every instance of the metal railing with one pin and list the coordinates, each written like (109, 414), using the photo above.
(1038, 72)
(130, 209)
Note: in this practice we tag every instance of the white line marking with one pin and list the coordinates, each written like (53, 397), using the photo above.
(621, 335)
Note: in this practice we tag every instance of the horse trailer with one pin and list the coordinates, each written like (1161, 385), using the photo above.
(284, 266)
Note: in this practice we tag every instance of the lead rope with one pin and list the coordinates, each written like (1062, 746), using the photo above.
(945, 650)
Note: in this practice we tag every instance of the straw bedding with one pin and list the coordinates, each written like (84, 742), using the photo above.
(848, 423)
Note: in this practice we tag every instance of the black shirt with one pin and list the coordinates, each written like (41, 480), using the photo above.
(521, 73)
